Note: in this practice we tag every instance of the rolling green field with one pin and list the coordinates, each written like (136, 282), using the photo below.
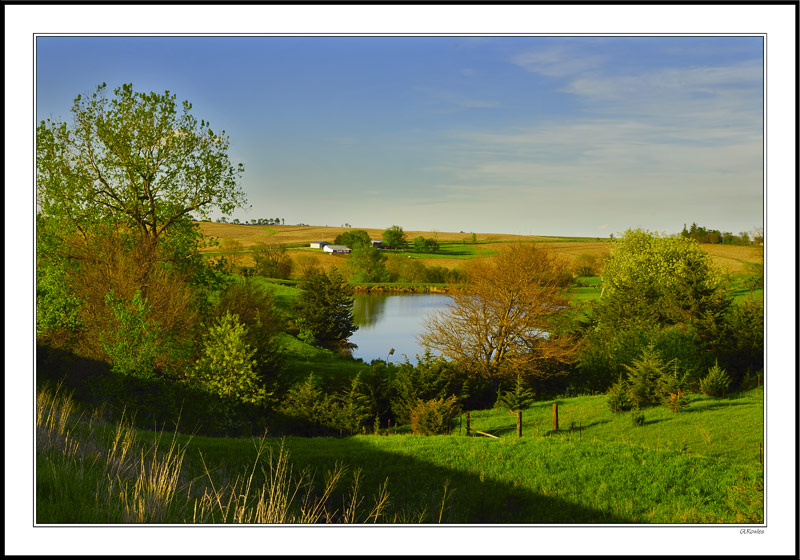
(699, 466)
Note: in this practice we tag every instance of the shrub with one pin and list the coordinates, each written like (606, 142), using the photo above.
(618, 397)
(304, 400)
(519, 397)
(739, 343)
(131, 342)
(671, 386)
(272, 260)
(227, 367)
(676, 401)
(431, 378)
(367, 264)
(436, 416)
(255, 307)
(637, 416)
(644, 376)
(751, 380)
(585, 265)
(403, 269)
(350, 409)
(716, 383)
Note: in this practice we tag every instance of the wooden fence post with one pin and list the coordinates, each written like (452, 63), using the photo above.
(519, 423)
(555, 417)
(467, 415)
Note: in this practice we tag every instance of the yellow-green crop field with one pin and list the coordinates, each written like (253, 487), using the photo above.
(730, 258)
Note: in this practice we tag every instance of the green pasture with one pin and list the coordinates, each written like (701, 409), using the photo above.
(448, 250)
(699, 466)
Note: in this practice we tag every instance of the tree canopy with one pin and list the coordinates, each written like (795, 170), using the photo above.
(394, 237)
(136, 159)
(353, 238)
(367, 264)
(666, 280)
(502, 318)
(325, 307)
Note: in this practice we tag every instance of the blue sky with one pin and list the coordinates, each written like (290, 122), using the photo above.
(530, 135)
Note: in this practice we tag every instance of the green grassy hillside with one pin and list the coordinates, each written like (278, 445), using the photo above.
(701, 465)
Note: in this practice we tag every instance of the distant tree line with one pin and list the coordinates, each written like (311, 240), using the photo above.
(705, 235)
(254, 221)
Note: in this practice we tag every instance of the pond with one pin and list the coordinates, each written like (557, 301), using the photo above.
(392, 321)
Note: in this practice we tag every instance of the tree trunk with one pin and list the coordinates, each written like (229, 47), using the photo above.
(519, 423)
(555, 417)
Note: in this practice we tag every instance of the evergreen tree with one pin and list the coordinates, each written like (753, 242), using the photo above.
(325, 308)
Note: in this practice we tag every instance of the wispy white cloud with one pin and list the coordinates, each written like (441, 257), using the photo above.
(559, 61)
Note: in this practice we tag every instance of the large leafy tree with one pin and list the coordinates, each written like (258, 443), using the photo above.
(394, 237)
(505, 317)
(660, 291)
(353, 238)
(134, 158)
(367, 264)
(666, 280)
(117, 189)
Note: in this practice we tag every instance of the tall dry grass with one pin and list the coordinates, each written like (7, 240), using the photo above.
(119, 478)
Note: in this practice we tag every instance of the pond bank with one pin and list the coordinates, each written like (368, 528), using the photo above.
(403, 288)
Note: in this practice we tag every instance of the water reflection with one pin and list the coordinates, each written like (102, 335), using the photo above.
(368, 309)
(392, 321)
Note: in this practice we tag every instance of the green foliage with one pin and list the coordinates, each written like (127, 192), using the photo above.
(662, 279)
(353, 238)
(394, 237)
(435, 416)
(324, 309)
(272, 260)
(618, 396)
(738, 342)
(755, 276)
(305, 400)
(227, 367)
(352, 410)
(645, 378)
(607, 348)
(133, 158)
(657, 291)
(367, 264)
(131, 343)
(433, 377)
(637, 416)
(402, 269)
(425, 245)
(519, 397)
(255, 308)
(344, 412)
(585, 265)
(716, 383)
(57, 304)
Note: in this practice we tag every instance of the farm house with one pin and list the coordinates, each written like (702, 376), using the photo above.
(318, 244)
(336, 249)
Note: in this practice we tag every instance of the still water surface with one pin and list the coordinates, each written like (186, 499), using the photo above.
(392, 321)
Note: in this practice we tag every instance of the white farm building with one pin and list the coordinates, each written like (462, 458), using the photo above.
(318, 244)
(336, 249)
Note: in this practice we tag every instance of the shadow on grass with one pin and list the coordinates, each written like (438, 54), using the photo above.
(701, 406)
(416, 484)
